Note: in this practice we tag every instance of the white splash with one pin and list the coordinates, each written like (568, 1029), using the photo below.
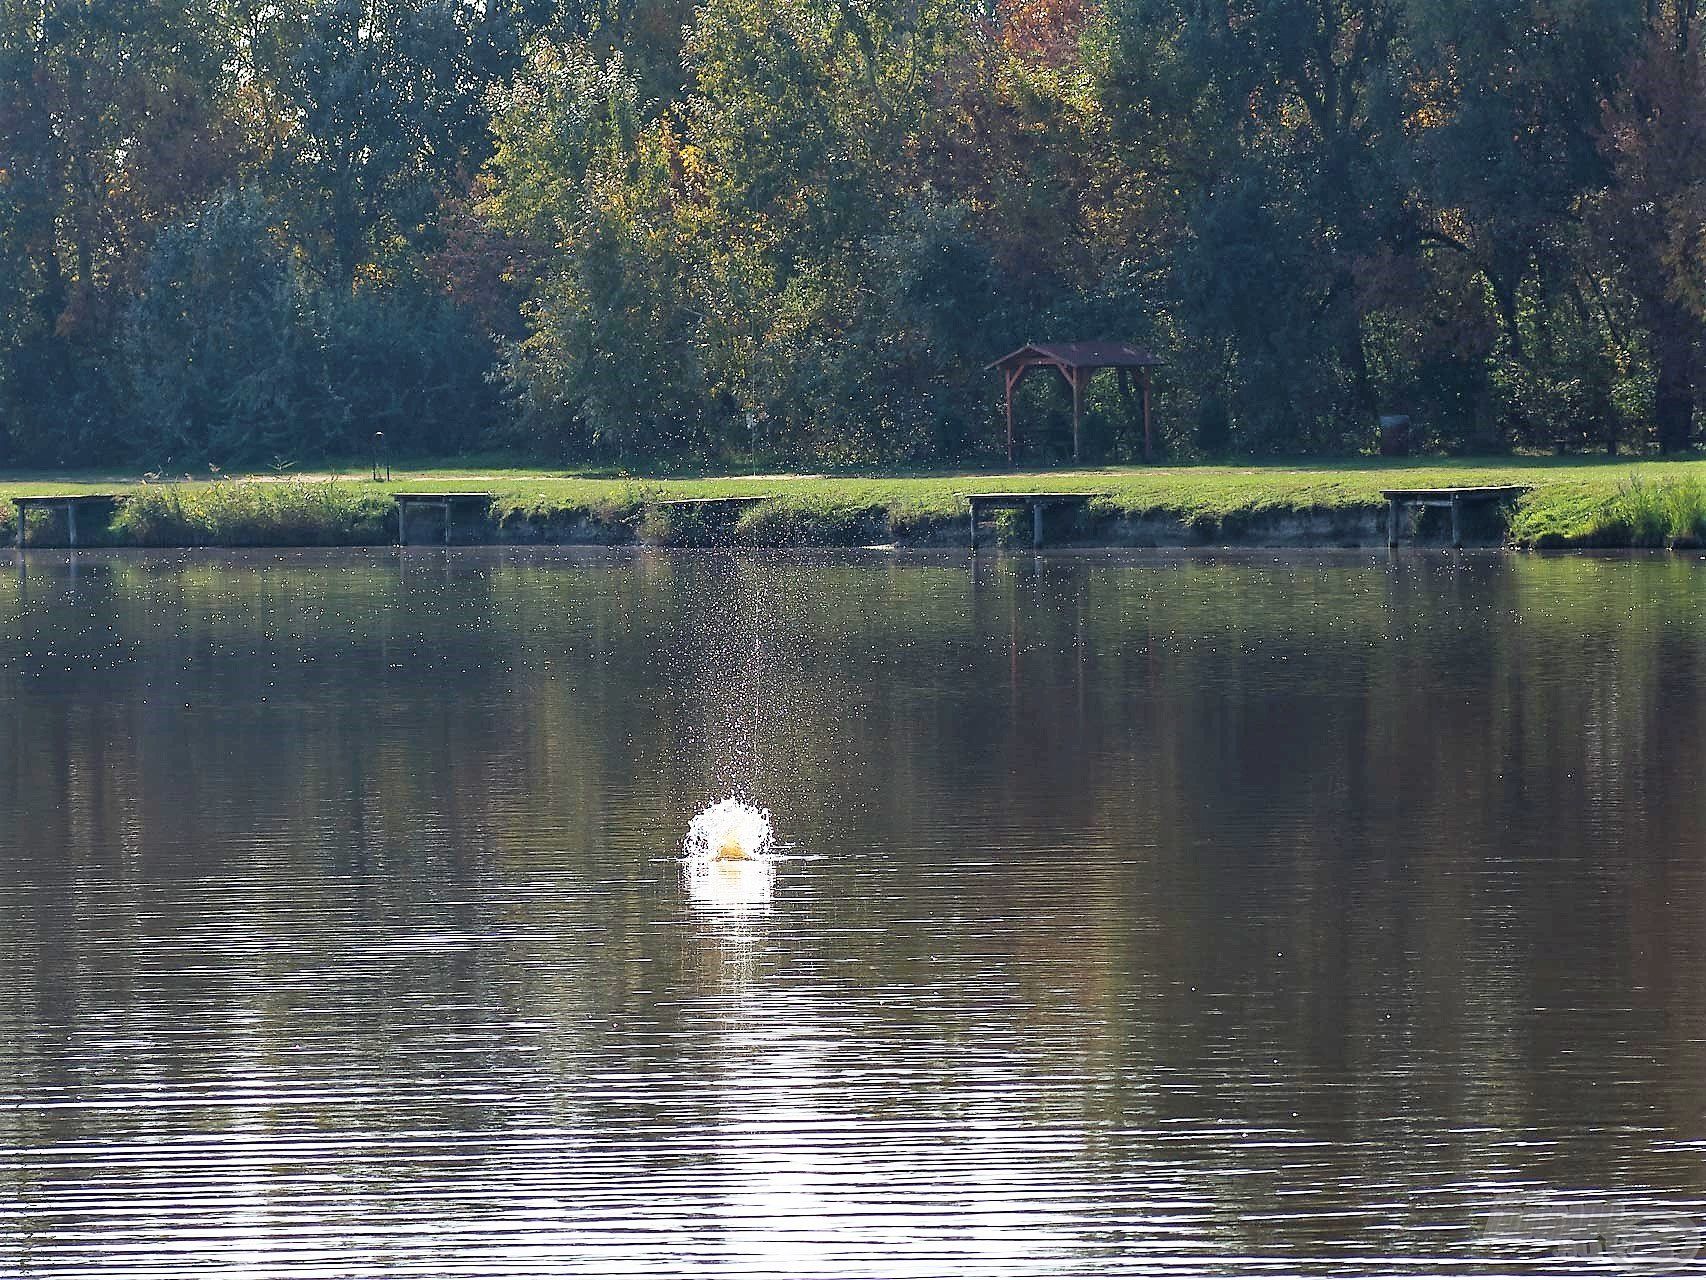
(730, 831)
(727, 861)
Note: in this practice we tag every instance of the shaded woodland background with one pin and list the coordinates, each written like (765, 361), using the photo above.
(241, 232)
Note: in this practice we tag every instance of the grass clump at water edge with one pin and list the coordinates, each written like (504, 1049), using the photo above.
(1659, 513)
(252, 513)
(1642, 511)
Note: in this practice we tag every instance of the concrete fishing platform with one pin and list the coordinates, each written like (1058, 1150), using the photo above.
(1457, 499)
(1037, 502)
(71, 503)
(445, 502)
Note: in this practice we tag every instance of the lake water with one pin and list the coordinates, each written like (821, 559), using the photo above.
(1134, 915)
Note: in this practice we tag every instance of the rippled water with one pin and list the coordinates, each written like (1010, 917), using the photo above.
(1131, 916)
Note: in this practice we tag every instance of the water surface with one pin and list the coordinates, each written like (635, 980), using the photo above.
(1136, 915)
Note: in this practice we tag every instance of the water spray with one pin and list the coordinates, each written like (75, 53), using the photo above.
(729, 831)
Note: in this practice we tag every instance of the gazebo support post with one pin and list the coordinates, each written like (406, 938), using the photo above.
(1076, 377)
(1148, 440)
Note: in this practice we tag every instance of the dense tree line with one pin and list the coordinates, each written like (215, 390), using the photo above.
(236, 231)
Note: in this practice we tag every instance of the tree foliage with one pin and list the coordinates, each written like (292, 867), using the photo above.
(799, 229)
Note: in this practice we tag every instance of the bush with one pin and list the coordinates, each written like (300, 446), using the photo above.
(224, 346)
(408, 363)
(235, 354)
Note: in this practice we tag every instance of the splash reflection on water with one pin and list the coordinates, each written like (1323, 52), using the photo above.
(735, 885)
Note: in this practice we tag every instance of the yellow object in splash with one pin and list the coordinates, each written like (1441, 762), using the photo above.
(732, 850)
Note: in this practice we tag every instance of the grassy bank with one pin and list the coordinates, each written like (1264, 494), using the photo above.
(1570, 504)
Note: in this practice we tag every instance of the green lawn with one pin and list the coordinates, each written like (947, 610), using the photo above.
(1572, 502)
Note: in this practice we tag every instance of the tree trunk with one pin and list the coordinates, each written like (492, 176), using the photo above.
(1128, 401)
(1355, 357)
(1673, 401)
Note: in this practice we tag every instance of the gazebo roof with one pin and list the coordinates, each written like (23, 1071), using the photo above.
(1081, 355)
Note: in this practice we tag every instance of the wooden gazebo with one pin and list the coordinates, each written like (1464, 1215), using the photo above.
(1077, 362)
